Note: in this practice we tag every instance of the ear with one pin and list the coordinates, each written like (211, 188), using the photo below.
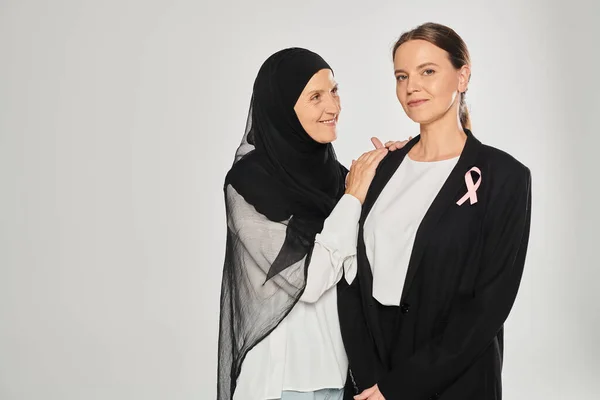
(464, 75)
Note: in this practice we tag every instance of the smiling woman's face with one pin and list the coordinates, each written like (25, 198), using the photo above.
(427, 84)
(318, 107)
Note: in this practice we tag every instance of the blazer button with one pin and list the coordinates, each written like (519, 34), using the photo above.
(404, 308)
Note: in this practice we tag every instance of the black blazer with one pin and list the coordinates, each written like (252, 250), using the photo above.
(462, 280)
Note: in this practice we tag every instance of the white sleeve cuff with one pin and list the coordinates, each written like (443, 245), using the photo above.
(340, 229)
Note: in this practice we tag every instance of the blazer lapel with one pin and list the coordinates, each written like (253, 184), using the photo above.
(385, 171)
(445, 198)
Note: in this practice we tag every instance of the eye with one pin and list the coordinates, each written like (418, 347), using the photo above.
(335, 90)
(428, 72)
(400, 78)
(316, 96)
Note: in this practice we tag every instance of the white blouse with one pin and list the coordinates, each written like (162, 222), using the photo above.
(305, 352)
(392, 223)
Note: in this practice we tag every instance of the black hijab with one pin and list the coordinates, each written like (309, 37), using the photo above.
(303, 175)
(286, 183)
(288, 174)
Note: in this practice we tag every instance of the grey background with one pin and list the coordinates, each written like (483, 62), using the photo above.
(119, 119)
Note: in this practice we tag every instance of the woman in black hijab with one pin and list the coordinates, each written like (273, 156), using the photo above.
(292, 218)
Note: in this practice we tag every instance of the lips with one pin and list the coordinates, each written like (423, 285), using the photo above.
(330, 122)
(416, 103)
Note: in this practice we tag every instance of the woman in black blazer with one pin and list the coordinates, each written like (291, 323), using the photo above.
(423, 319)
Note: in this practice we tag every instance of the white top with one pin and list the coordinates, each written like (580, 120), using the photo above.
(305, 352)
(392, 223)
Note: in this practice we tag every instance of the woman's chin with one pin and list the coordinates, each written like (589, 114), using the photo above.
(326, 138)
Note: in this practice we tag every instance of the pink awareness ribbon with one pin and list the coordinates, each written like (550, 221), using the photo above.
(471, 187)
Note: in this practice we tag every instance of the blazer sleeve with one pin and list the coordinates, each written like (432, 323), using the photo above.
(477, 316)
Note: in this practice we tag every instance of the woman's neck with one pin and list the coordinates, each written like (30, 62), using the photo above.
(439, 141)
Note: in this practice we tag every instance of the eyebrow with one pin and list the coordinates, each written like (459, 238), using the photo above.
(419, 67)
(320, 90)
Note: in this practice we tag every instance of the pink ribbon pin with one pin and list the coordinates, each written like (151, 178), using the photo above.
(471, 187)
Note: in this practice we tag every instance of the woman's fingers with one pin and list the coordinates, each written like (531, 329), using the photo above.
(377, 158)
(398, 145)
(366, 159)
(376, 155)
(376, 142)
(366, 393)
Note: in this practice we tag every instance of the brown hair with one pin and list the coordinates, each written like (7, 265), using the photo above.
(448, 40)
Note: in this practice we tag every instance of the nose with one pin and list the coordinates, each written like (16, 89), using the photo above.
(413, 85)
(332, 106)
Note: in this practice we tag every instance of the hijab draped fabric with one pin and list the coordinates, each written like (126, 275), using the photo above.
(280, 189)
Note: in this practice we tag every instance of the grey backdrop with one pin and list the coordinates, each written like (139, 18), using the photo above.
(119, 119)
